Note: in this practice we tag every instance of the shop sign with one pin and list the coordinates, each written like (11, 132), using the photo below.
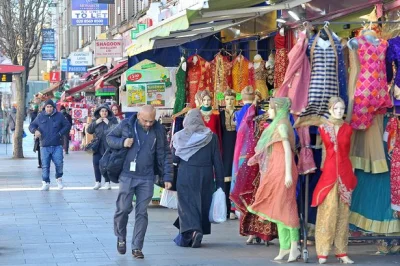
(103, 1)
(106, 91)
(55, 76)
(48, 36)
(5, 77)
(48, 52)
(89, 13)
(64, 65)
(81, 59)
(76, 68)
(108, 48)
(156, 94)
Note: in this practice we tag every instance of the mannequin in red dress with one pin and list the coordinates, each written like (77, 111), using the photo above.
(211, 119)
(333, 192)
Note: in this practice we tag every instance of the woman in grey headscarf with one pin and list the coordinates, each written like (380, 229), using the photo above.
(196, 150)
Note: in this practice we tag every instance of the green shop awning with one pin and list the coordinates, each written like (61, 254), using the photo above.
(190, 25)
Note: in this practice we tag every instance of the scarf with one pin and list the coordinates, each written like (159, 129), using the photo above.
(194, 136)
(335, 121)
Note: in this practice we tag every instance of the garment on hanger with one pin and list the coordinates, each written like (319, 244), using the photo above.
(328, 79)
(371, 96)
(260, 75)
(281, 60)
(246, 181)
(354, 70)
(371, 204)
(394, 150)
(180, 95)
(393, 56)
(221, 73)
(297, 77)
(242, 73)
(198, 78)
(240, 114)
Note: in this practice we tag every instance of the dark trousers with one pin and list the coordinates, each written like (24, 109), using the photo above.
(228, 201)
(66, 143)
(96, 167)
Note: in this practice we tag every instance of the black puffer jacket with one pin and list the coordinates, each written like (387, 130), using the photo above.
(163, 158)
(102, 129)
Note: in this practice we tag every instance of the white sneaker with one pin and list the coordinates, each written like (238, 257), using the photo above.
(97, 186)
(107, 185)
(60, 184)
(45, 186)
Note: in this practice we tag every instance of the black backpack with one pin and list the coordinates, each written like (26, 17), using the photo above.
(112, 162)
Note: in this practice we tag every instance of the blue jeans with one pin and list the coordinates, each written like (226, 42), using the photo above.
(54, 153)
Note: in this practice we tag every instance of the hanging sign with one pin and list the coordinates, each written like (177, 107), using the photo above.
(55, 76)
(89, 13)
(48, 50)
(81, 59)
(5, 77)
(108, 48)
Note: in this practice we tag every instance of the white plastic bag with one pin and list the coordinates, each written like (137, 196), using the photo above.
(169, 199)
(218, 207)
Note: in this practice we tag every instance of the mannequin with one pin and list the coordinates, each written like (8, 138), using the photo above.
(275, 200)
(228, 127)
(211, 119)
(270, 66)
(248, 97)
(260, 74)
(332, 194)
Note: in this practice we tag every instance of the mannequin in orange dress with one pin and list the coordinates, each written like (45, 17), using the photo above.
(211, 119)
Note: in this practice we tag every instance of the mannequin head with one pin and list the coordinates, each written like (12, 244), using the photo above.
(279, 106)
(230, 97)
(257, 58)
(205, 98)
(198, 99)
(248, 95)
(336, 107)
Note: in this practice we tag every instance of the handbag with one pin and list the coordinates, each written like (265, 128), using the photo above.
(169, 199)
(93, 146)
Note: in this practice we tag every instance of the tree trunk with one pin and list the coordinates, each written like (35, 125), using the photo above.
(19, 123)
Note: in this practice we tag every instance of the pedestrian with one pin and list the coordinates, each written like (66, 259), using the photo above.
(105, 121)
(196, 151)
(66, 137)
(49, 127)
(148, 155)
(117, 112)
(12, 118)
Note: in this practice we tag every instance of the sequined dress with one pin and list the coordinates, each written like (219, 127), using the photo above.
(281, 60)
(242, 74)
(180, 95)
(198, 78)
(260, 75)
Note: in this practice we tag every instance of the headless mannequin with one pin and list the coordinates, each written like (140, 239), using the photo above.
(337, 112)
(371, 37)
(293, 252)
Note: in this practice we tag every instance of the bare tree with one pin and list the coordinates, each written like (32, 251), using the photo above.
(21, 22)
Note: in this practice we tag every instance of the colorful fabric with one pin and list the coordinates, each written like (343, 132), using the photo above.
(198, 78)
(221, 73)
(239, 115)
(242, 74)
(332, 225)
(180, 95)
(394, 148)
(371, 96)
(306, 162)
(393, 56)
(297, 77)
(337, 166)
(260, 76)
(281, 60)
(213, 122)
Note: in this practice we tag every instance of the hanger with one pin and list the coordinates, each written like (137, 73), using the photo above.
(323, 33)
(183, 111)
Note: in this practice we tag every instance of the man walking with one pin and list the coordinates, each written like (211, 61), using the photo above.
(50, 126)
(148, 155)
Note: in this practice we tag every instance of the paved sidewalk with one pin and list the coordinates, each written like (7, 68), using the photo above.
(75, 226)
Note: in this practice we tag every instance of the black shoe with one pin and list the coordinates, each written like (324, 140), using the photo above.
(121, 246)
(197, 238)
(137, 253)
(39, 166)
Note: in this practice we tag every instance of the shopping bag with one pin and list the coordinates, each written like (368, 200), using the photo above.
(169, 199)
(218, 207)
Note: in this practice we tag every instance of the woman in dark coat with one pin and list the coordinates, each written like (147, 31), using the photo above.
(100, 127)
(196, 150)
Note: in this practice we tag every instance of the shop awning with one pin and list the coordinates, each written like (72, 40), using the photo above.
(52, 88)
(190, 25)
(114, 73)
(83, 87)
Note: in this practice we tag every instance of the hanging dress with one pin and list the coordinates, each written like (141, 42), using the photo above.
(221, 76)
(260, 75)
(328, 79)
(393, 129)
(281, 60)
(198, 78)
(297, 77)
(371, 96)
(393, 56)
(242, 73)
(180, 95)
